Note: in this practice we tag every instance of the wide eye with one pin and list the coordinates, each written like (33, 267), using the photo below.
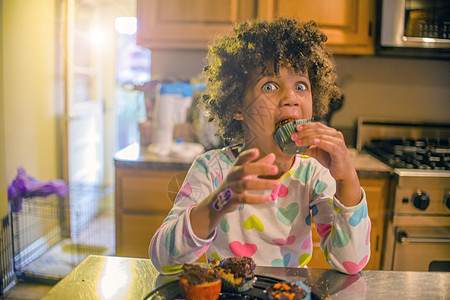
(269, 86)
(300, 86)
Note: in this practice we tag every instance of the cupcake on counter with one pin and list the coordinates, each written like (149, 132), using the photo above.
(283, 132)
(199, 283)
(288, 290)
(238, 273)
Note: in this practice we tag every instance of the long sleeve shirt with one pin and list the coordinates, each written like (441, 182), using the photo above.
(277, 233)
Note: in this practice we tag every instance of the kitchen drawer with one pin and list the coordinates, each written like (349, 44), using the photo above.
(136, 233)
(148, 190)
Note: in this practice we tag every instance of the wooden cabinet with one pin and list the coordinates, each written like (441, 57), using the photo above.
(348, 24)
(376, 194)
(143, 199)
(180, 24)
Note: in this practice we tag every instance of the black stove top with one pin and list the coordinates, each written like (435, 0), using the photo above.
(426, 153)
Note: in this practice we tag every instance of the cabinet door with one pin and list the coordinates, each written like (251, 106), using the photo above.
(349, 24)
(136, 233)
(181, 24)
(147, 191)
(143, 200)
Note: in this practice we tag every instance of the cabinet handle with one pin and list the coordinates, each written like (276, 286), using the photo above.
(376, 244)
(404, 239)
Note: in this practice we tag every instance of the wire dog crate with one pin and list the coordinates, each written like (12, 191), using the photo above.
(45, 245)
(7, 275)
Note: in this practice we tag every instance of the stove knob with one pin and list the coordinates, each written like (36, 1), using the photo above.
(447, 199)
(420, 199)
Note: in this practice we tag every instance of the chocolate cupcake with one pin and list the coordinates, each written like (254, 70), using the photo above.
(283, 132)
(238, 273)
(288, 290)
(199, 283)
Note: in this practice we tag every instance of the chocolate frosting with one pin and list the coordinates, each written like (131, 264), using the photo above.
(239, 266)
(196, 274)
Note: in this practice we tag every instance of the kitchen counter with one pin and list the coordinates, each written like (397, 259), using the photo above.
(106, 277)
(368, 166)
(136, 158)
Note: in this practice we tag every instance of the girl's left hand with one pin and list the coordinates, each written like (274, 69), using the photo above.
(327, 146)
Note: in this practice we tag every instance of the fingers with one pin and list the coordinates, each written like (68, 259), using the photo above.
(247, 156)
(252, 184)
(320, 135)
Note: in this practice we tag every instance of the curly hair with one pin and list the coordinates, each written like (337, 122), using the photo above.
(232, 58)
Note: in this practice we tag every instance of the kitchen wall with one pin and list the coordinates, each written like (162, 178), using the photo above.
(373, 86)
(28, 98)
(3, 194)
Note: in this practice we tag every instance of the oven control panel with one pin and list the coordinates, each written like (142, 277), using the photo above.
(422, 195)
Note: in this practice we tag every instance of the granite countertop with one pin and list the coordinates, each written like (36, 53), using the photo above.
(135, 157)
(103, 277)
(368, 166)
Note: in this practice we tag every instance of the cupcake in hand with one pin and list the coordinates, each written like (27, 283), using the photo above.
(283, 132)
(199, 283)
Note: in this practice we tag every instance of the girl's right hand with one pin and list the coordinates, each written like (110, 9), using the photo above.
(244, 177)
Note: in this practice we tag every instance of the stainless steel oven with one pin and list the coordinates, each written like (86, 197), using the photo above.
(418, 227)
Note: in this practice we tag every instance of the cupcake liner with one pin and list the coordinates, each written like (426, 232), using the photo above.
(283, 137)
(204, 291)
(231, 287)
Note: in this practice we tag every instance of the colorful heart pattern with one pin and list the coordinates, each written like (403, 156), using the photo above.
(323, 229)
(307, 244)
(319, 188)
(341, 238)
(185, 190)
(215, 256)
(201, 250)
(253, 222)
(353, 268)
(303, 173)
(278, 262)
(283, 242)
(169, 243)
(217, 180)
(200, 165)
(225, 159)
(240, 250)
(304, 259)
(224, 225)
(287, 215)
(358, 215)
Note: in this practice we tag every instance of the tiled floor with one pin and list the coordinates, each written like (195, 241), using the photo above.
(26, 291)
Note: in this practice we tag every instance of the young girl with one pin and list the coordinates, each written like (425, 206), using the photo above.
(250, 198)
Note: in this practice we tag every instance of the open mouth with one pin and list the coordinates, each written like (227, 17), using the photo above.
(283, 122)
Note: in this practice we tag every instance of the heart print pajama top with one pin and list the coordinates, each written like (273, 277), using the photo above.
(277, 233)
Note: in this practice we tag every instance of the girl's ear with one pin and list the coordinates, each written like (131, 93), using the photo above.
(238, 116)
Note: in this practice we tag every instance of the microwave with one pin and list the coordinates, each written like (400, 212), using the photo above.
(417, 28)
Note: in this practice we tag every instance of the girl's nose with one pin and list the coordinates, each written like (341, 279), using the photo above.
(290, 98)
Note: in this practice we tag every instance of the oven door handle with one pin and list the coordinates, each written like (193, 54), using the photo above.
(404, 239)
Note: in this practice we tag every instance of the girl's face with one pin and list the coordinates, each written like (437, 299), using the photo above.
(270, 98)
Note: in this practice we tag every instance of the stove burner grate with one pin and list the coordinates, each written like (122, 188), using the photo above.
(427, 153)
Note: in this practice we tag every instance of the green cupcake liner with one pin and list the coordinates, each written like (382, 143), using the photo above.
(283, 137)
(231, 287)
